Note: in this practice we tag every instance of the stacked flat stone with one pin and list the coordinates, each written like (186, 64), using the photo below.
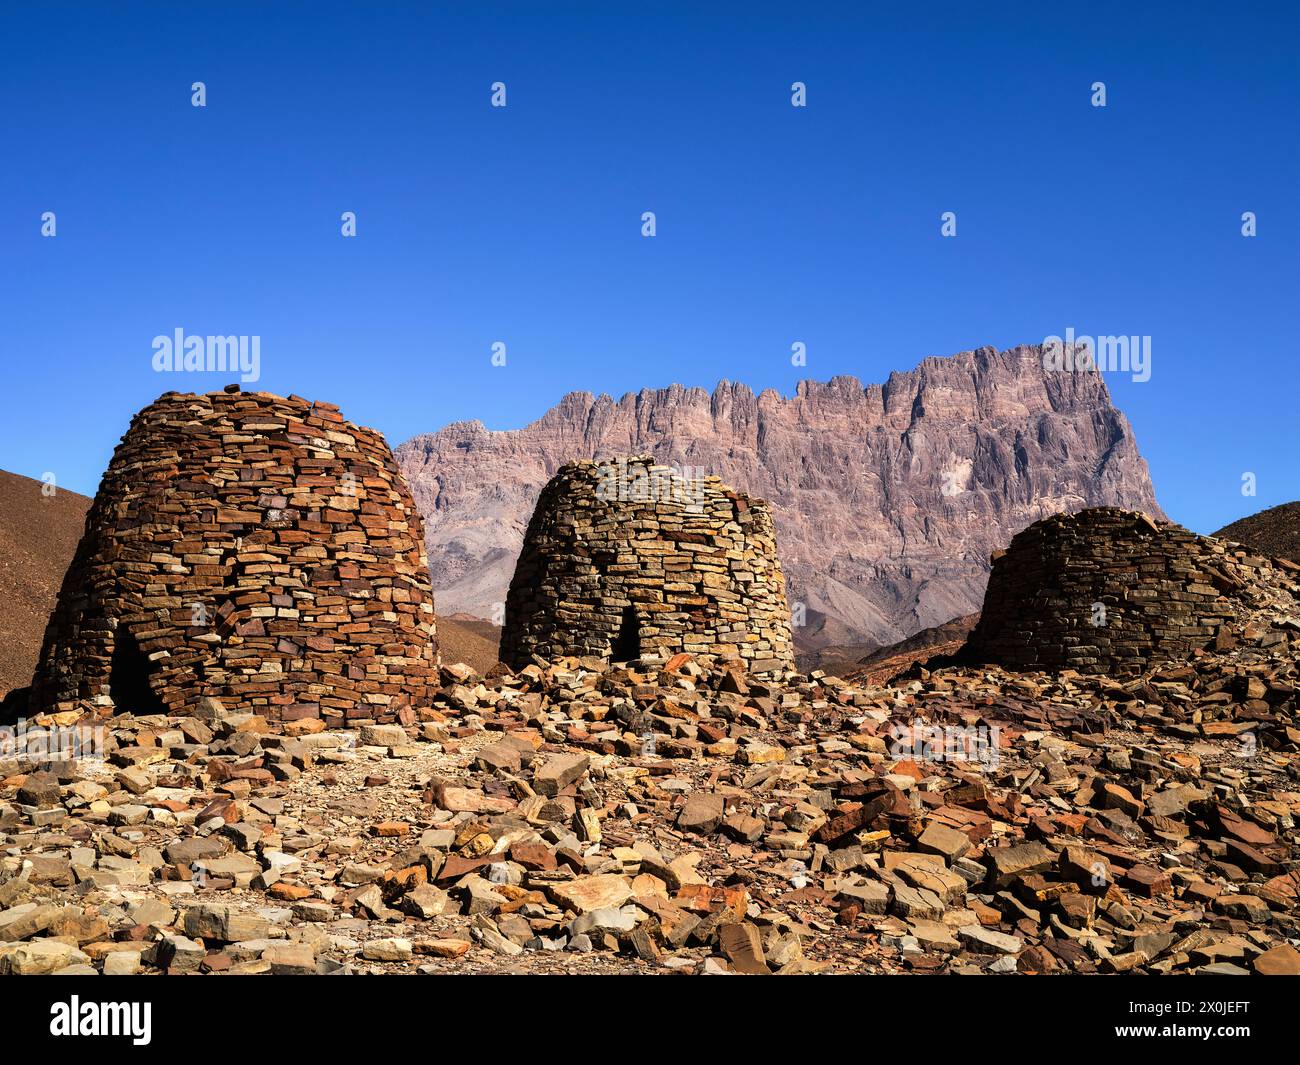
(253, 548)
(1109, 591)
(626, 558)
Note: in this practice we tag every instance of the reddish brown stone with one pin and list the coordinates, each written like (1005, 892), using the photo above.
(533, 855)
(1149, 881)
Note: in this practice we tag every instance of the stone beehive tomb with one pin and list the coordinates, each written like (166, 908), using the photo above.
(1109, 591)
(626, 559)
(258, 549)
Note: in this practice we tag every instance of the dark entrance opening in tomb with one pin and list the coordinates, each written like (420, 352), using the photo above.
(627, 644)
(128, 678)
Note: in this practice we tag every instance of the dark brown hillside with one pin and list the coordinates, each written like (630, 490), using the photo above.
(1274, 532)
(38, 535)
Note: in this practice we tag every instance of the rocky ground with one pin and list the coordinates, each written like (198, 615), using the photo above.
(681, 816)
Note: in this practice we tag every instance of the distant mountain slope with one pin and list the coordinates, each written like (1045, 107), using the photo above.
(38, 535)
(470, 641)
(1274, 532)
(878, 665)
(888, 499)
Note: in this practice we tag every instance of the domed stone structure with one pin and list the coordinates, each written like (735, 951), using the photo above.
(1109, 591)
(624, 559)
(257, 549)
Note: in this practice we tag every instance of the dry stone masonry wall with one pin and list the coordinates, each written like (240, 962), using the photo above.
(626, 558)
(248, 547)
(1108, 591)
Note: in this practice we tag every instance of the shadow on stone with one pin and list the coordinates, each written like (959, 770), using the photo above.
(13, 706)
(627, 644)
(128, 678)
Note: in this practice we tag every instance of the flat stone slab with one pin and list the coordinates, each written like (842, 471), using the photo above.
(558, 772)
(588, 893)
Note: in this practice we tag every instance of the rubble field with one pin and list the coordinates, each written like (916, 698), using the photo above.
(680, 816)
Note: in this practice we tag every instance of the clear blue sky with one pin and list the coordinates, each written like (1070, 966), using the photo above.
(775, 224)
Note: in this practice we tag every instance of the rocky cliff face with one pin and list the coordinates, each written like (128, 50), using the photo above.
(888, 499)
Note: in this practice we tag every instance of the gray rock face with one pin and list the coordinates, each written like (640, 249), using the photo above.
(888, 499)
